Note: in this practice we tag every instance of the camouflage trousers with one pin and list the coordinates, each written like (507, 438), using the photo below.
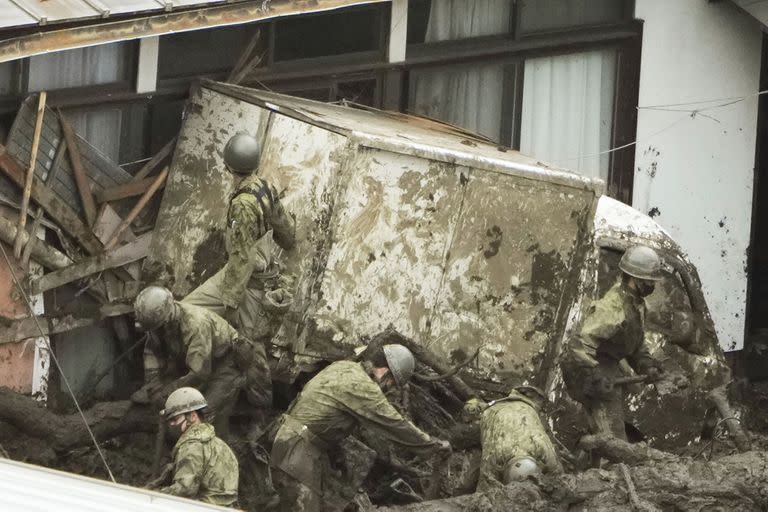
(243, 368)
(606, 416)
(250, 318)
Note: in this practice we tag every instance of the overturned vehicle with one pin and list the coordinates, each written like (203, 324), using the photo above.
(484, 257)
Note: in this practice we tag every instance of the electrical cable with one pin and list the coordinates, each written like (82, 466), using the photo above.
(56, 361)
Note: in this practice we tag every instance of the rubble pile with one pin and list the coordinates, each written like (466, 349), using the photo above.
(401, 226)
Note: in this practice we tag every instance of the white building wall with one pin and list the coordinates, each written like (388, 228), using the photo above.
(694, 171)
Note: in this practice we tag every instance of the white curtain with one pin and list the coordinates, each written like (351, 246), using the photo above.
(467, 96)
(567, 115)
(461, 19)
(94, 65)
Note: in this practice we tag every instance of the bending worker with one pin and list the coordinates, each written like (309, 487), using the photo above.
(204, 467)
(201, 349)
(249, 290)
(515, 443)
(612, 330)
(342, 396)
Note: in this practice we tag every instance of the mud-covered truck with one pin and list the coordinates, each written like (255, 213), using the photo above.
(461, 245)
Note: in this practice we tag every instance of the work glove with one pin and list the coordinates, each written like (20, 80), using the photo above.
(651, 369)
(230, 315)
(145, 393)
(474, 407)
(597, 386)
(444, 447)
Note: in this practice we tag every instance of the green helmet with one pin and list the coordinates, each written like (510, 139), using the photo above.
(400, 362)
(153, 306)
(642, 262)
(182, 401)
(241, 154)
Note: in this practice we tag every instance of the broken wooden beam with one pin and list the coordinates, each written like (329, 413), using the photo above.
(159, 182)
(155, 161)
(41, 252)
(28, 327)
(107, 222)
(30, 175)
(64, 432)
(29, 245)
(130, 189)
(81, 179)
(128, 253)
(52, 204)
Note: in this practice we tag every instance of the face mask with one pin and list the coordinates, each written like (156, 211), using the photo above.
(645, 288)
(175, 431)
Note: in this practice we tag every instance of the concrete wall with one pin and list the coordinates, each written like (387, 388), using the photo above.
(694, 170)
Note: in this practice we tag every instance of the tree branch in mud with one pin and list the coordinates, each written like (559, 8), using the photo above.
(426, 356)
(617, 450)
(64, 432)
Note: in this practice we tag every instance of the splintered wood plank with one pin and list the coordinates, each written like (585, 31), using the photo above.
(107, 223)
(130, 189)
(128, 253)
(81, 179)
(52, 204)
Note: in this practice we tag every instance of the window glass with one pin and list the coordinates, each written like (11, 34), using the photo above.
(446, 20)
(544, 15)
(468, 96)
(567, 112)
(350, 31)
(201, 51)
(103, 64)
(7, 78)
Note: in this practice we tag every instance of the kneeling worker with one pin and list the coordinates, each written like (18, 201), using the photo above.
(342, 396)
(515, 442)
(204, 467)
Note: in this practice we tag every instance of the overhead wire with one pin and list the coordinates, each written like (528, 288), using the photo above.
(56, 362)
(690, 114)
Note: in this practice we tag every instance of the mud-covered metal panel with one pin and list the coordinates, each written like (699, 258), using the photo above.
(188, 245)
(455, 257)
(302, 160)
(392, 230)
(511, 277)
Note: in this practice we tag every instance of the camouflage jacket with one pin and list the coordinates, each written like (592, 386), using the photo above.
(197, 337)
(612, 330)
(205, 468)
(343, 396)
(255, 221)
(509, 429)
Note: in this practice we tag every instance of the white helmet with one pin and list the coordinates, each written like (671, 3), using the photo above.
(520, 469)
(182, 401)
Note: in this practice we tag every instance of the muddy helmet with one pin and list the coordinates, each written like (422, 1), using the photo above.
(241, 154)
(520, 469)
(400, 362)
(153, 306)
(182, 401)
(642, 262)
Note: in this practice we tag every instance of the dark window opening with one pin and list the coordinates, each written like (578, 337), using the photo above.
(757, 284)
(320, 35)
(201, 52)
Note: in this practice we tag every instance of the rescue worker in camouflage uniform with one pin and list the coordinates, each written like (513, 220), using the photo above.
(201, 349)
(612, 330)
(342, 396)
(249, 290)
(204, 467)
(515, 443)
